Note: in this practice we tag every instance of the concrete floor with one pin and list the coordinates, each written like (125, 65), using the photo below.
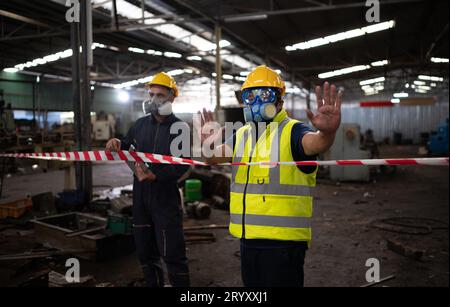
(343, 238)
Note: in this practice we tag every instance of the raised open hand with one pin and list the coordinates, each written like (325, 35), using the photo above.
(205, 122)
(328, 116)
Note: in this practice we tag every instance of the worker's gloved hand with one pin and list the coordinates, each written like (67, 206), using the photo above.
(113, 145)
(143, 173)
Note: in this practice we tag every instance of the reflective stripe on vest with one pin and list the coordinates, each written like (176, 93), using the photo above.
(274, 186)
(277, 221)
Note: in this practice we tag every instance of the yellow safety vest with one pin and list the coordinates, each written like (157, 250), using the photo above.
(270, 202)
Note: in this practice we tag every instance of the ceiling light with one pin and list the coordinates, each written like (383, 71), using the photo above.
(372, 81)
(431, 78)
(343, 71)
(175, 72)
(439, 60)
(401, 95)
(10, 69)
(123, 96)
(341, 36)
(168, 54)
(137, 50)
(194, 58)
(380, 63)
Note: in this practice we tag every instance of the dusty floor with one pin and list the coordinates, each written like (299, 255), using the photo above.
(343, 238)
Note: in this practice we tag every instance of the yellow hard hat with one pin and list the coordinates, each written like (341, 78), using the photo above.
(263, 76)
(165, 80)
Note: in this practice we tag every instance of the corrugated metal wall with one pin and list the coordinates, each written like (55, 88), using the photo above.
(410, 121)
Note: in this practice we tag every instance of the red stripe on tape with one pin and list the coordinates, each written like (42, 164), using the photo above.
(109, 156)
(401, 161)
(97, 156)
(122, 155)
(349, 162)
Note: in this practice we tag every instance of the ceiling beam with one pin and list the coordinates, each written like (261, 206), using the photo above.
(23, 19)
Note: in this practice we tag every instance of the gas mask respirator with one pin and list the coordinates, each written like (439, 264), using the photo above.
(259, 104)
(157, 106)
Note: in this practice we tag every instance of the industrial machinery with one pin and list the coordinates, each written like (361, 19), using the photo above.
(438, 142)
(103, 126)
(347, 146)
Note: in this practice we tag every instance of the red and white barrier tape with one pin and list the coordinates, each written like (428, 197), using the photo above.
(123, 155)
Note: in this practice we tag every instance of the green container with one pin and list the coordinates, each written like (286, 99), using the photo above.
(120, 224)
(192, 190)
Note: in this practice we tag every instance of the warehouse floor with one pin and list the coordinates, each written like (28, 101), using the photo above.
(343, 236)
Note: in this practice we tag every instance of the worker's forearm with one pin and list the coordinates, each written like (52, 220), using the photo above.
(318, 142)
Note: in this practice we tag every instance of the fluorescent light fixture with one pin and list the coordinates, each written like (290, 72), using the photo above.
(372, 81)
(424, 87)
(137, 50)
(433, 84)
(407, 85)
(153, 52)
(239, 78)
(244, 73)
(188, 71)
(98, 45)
(321, 41)
(419, 82)
(395, 100)
(431, 78)
(194, 58)
(194, 41)
(10, 69)
(224, 43)
(401, 95)
(238, 60)
(123, 96)
(245, 18)
(175, 72)
(420, 91)
(53, 57)
(439, 60)
(343, 71)
(380, 63)
(227, 77)
(168, 54)
(370, 93)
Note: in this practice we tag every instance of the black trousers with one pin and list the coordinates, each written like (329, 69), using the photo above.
(158, 233)
(273, 267)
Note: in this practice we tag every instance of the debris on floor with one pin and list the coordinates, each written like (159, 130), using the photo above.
(404, 250)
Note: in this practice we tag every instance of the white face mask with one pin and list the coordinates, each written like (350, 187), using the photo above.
(165, 109)
(157, 106)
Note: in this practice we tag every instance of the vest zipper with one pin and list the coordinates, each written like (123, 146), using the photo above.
(245, 194)
(156, 137)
